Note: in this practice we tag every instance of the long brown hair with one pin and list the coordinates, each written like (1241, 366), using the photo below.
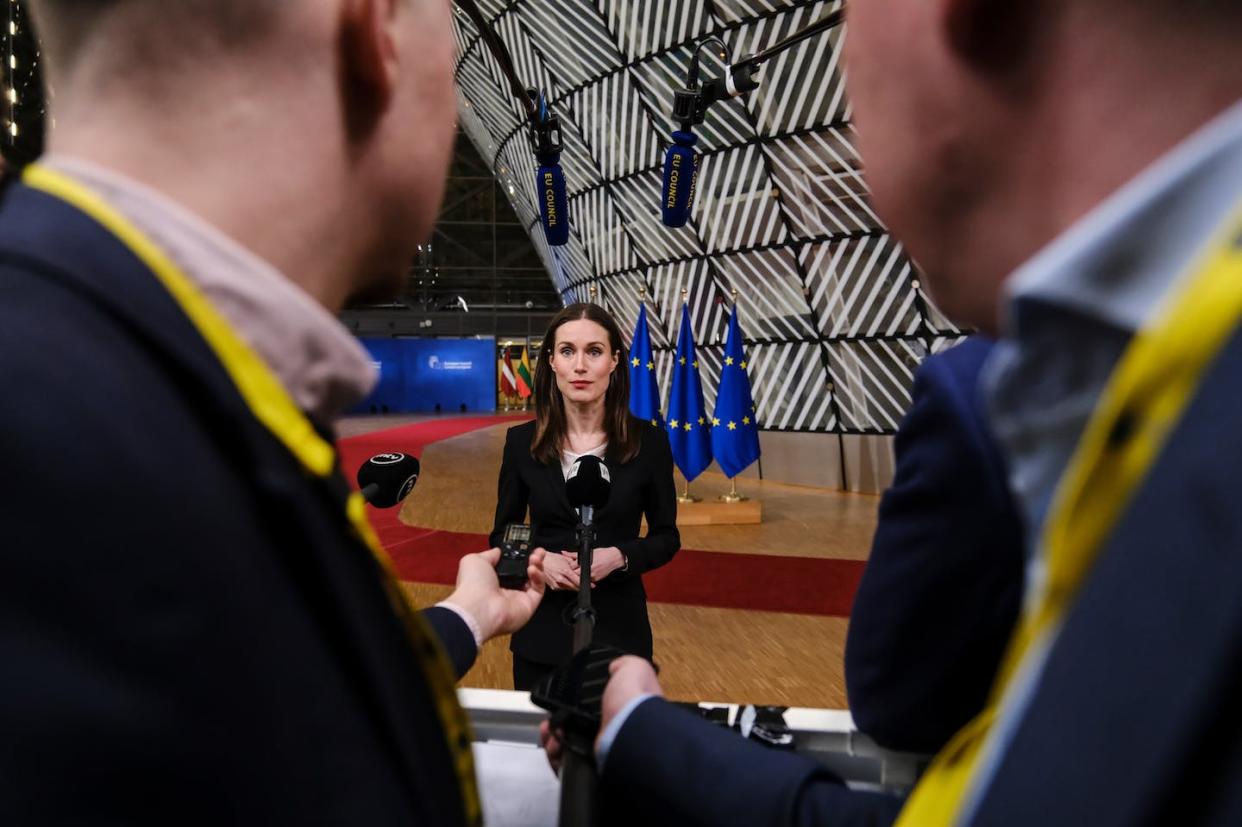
(623, 441)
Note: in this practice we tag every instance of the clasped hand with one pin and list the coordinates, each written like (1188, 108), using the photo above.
(562, 571)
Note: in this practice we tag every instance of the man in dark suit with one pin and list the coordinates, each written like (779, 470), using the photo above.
(1070, 176)
(196, 624)
(940, 593)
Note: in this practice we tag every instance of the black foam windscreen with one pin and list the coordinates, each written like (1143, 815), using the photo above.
(387, 479)
(588, 483)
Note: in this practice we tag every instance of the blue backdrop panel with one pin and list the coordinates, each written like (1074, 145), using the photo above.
(419, 374)
(389, 393)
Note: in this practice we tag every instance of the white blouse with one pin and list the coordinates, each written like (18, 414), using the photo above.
(568, 458)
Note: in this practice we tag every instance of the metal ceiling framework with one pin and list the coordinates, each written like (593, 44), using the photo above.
(831, 307)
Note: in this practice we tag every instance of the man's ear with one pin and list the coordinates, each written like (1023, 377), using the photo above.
(368, 62)
(993, 34)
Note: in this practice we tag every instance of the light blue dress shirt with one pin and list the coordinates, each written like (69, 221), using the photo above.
(1070, 312)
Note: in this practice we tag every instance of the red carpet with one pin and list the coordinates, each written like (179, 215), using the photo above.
(413, 438)
(755, 582)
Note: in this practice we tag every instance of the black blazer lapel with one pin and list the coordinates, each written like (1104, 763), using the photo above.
(555, 479)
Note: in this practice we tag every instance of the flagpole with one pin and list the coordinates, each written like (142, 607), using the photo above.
(732, 496)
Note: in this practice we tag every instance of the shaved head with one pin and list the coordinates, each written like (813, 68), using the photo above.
(317, 133)
(67, 25)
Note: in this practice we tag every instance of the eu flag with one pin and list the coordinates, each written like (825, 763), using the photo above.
(735, 434)
(644, 392)
(687, 415)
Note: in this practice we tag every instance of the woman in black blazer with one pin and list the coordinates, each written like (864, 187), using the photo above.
(582, 407)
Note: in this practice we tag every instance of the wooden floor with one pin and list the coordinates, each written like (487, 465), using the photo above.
(704, 653)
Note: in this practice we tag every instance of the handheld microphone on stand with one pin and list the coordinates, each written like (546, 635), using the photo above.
(387, 479)
(690, 106)
(545, 134)
(545, 139)
(689, 109)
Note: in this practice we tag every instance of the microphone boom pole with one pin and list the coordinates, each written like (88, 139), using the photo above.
(826, 22)
(588, 487)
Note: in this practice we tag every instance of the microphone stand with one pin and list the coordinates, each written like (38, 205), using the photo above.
(579, 776)
(690, 104)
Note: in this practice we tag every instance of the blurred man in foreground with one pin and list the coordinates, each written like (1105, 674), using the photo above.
(1069, 175)
(196, 624)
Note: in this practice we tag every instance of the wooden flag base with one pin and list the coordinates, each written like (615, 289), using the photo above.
(744, 512)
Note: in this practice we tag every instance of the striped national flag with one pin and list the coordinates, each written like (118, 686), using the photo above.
(507, 387)
(522, 378)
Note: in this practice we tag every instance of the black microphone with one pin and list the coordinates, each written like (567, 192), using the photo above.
(738, 80)
(387, 479)
(588, 486)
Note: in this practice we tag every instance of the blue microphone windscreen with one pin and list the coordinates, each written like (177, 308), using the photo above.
(553, 203)
(680, 174)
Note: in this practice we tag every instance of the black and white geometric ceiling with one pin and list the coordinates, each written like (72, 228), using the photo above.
(831, 309)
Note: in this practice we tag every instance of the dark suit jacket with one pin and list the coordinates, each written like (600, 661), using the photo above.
(941, 590)
(642, 486)
(189, 631)
(1135, 719)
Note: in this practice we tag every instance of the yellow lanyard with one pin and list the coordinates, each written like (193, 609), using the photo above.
(1145, 398)
(272, 406)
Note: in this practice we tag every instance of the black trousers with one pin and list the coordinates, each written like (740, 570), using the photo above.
(528, 673)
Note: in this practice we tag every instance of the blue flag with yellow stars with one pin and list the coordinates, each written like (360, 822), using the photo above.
(644, 392)
(687, 415)
(735, 434)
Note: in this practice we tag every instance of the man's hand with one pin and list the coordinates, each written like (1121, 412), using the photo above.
(497, 611)
(561, 570)
(551, 745)
(629, 677)
(604, 561)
